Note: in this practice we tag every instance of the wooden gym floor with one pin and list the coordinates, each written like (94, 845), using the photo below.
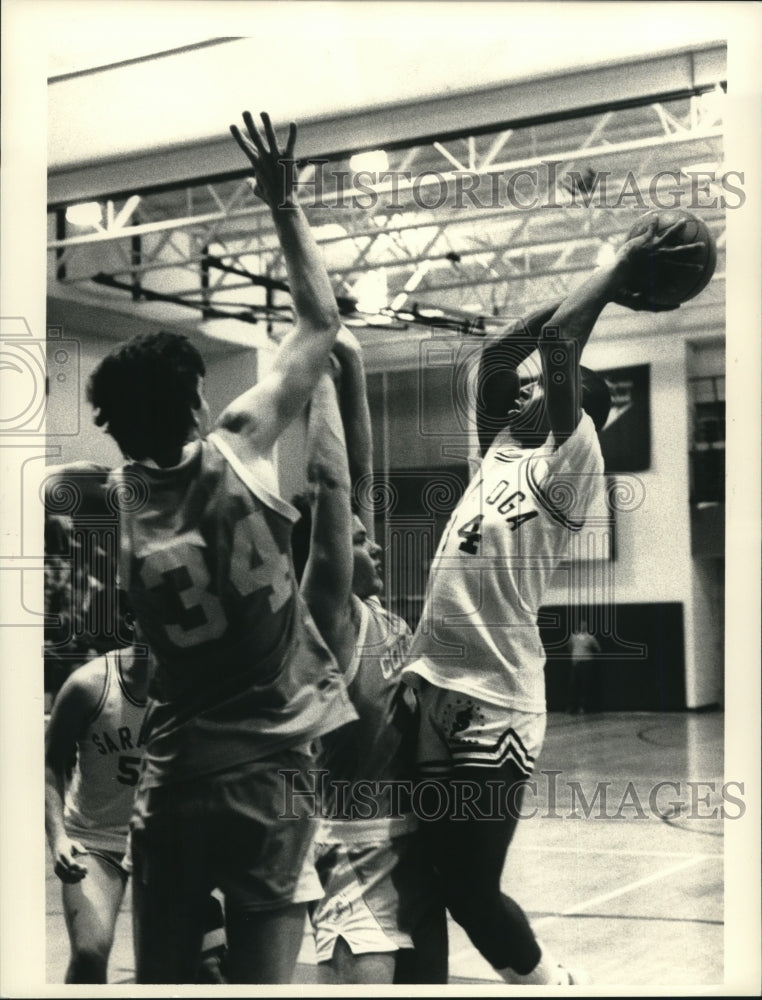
(633, 898)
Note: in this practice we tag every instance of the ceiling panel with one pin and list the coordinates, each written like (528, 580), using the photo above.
(312, 60)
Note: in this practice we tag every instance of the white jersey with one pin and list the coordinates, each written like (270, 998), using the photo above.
(380, 745)
(99, 798)
(478, 632)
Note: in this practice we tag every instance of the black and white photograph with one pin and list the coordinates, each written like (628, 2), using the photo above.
(380, 437)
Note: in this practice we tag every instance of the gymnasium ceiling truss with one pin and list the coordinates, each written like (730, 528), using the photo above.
(461, 233)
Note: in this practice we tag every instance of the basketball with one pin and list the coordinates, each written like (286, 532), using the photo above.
(666, 282)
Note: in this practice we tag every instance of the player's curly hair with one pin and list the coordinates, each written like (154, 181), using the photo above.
(145, 393)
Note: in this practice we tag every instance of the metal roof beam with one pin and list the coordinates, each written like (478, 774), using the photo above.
(550, 98)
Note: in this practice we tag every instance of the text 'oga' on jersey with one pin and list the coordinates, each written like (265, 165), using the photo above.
(380, 745)
(99, 798)
(478, 632)
(240, 669)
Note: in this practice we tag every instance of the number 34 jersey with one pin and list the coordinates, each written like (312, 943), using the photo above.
(478, 632)
(240, 671)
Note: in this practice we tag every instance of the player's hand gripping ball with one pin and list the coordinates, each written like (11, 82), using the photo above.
(677, 264)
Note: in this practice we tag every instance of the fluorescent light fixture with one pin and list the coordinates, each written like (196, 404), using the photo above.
(371, 291)
(404, 316)
(712, 105)
(88, 213)
(374, 160)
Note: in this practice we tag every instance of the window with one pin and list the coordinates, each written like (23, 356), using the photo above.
(708, 439)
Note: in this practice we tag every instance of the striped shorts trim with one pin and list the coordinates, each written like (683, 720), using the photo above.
(114, 859)
(458, 730)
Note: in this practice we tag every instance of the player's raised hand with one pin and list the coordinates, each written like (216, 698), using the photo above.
(651, 243)
(66, 865)
(273, 166)
(645, 251)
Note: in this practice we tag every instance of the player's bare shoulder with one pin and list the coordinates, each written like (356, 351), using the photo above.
(83, 689)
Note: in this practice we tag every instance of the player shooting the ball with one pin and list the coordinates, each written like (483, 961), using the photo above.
(476, 657)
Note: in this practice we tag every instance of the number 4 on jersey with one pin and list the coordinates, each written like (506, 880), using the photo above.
(471, 534)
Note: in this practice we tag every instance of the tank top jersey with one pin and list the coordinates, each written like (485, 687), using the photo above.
(478, 632)
(380, 745)
(99, 798)
(240, 671)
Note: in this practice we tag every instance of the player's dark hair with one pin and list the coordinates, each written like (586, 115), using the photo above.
(145, 393)
(596, 396)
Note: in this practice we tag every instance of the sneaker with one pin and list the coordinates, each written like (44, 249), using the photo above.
(213, 968)
(573, 977)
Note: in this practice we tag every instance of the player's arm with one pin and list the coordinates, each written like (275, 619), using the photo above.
(497, 377)
(563, 337)
(560, 345)
(355, 416)
(253, 422)
(72, 707)
(327, 580)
